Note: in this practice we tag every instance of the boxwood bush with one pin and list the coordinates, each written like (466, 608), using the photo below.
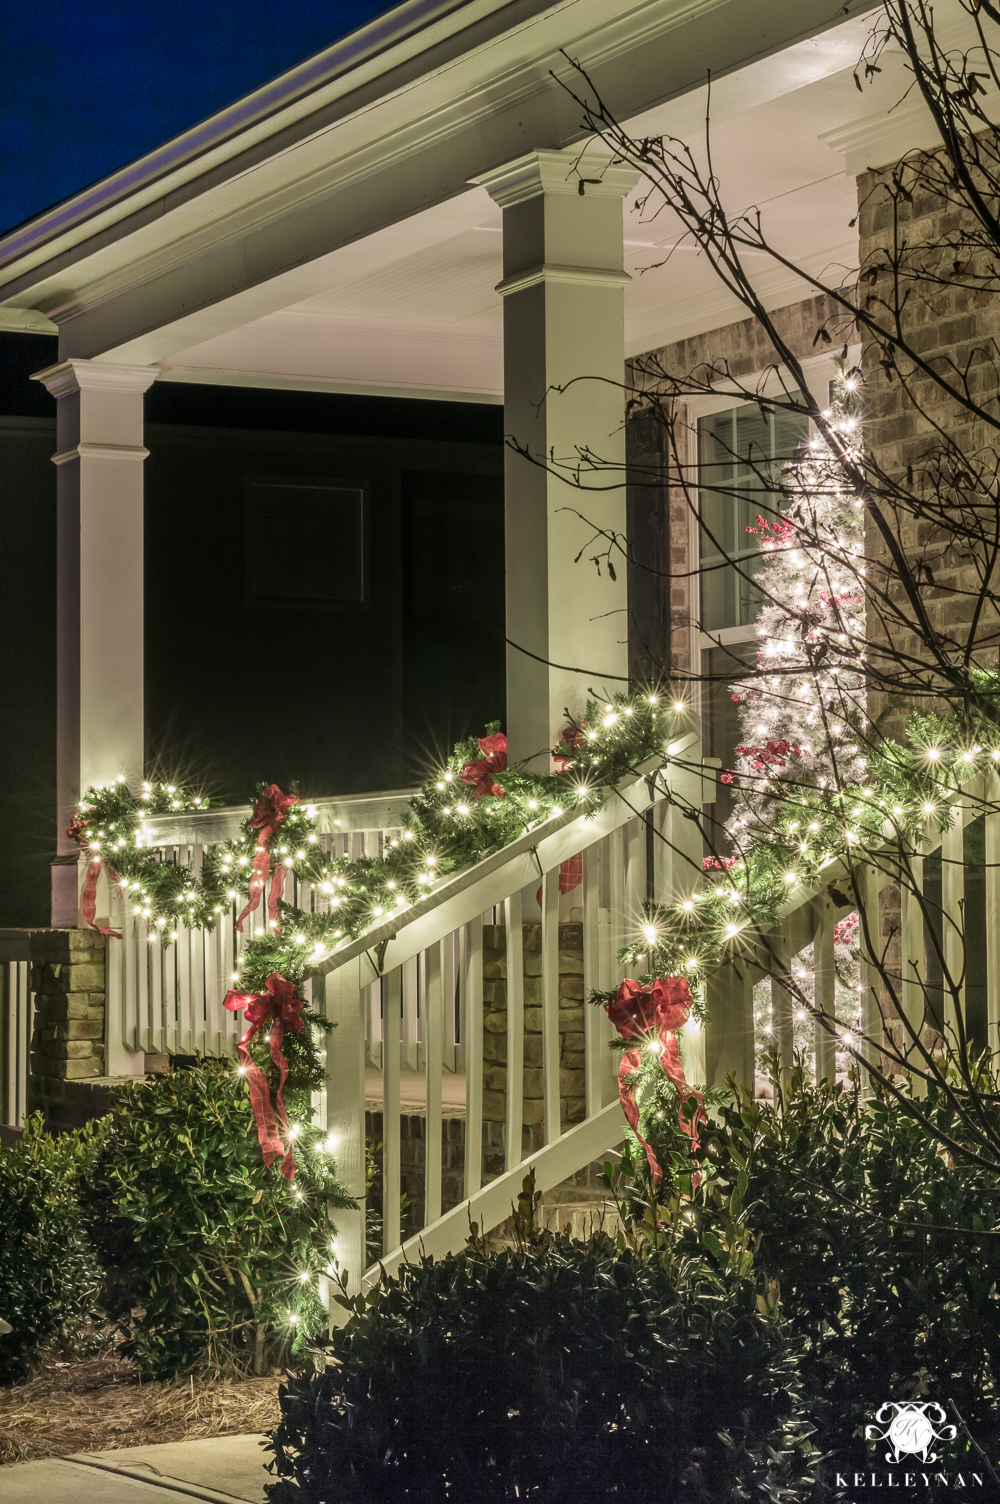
(49, 1276)
(885, 1247)
(557, 1372)
(211, 1259)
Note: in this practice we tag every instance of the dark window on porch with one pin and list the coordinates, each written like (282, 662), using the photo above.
(305, 544)
(453, 611)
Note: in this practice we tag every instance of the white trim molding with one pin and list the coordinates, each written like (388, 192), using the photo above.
(72, 376)
(552, 272)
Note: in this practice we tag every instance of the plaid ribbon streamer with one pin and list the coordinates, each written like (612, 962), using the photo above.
(279, 1006)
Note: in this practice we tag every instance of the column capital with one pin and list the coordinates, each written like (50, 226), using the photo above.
(588, 171)
(76, 375)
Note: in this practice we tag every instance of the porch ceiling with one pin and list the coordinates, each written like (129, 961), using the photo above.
(223, 282)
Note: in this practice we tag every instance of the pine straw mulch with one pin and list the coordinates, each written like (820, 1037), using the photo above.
(99, 1404)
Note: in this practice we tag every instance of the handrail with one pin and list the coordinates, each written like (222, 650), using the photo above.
(493, 1203)
(337, 815)
(488, 882)
(837, 868)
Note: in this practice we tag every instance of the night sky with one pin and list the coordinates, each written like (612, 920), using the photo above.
(87, 85)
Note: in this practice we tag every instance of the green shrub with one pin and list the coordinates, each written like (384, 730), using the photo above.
(49, 1276)
(211, 1259)
(558, 1373)
(885, 1247)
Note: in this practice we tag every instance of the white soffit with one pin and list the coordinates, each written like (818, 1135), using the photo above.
(413, 308)
(410, 308)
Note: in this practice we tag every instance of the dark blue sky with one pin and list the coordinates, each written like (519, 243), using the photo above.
(86, 85)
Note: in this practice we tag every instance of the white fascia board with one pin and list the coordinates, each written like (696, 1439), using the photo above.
(207, 376)
(464, 113)
(265, 113)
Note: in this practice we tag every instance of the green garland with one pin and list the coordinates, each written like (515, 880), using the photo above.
(447, 827)
(907, 791)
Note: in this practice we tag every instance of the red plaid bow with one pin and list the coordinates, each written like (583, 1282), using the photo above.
(269, 812)
(654, 1013)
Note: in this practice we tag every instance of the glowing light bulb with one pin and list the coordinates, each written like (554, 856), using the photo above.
(650, 932)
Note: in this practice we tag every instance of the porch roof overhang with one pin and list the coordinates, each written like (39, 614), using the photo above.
(323, 232)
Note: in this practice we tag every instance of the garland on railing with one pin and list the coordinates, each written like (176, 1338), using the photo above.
(907, 792)
(472, 806)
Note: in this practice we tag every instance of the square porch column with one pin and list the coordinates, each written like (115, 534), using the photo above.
(99, 618)
(564, 369)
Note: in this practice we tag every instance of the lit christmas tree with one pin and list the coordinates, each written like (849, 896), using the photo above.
(802, 712)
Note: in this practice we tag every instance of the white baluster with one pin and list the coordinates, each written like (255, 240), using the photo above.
(598, 1063)
(992, 821)
(913, 963)
(410, 1043)
(825, 988)
(953, 923)
(550, 1006)
(392, 991)
(782, 1004)
(515, 1030)
(472, 1018)
(433, 992)
(871, 1014)
(345, 1112)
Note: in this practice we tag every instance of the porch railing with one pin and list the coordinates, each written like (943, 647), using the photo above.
(416, 979)
(808, 918)
(168, 1000)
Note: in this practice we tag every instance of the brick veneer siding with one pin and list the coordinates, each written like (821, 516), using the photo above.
(952, 328)
(746, 348)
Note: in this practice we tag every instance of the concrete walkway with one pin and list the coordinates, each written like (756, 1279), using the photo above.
(220, 1469)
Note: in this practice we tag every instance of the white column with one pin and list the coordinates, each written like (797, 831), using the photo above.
(563, 323)
(99, 623)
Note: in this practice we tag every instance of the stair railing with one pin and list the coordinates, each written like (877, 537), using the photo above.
(617, 877)
(808, 917)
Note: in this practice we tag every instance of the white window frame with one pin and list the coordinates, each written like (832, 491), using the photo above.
(819, 369)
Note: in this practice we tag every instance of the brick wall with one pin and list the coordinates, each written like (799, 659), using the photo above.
(746, 348)
(950, 328)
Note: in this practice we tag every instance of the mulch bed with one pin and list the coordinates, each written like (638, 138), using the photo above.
(100, 1403)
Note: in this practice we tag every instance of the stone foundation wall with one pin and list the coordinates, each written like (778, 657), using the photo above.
(571, 1055)
(67, 1081)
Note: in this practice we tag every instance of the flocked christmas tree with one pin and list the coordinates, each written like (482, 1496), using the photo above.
(802, 714)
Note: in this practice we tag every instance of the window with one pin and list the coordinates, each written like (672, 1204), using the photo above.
(739, 452)
(738, 449)
(305, 544)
